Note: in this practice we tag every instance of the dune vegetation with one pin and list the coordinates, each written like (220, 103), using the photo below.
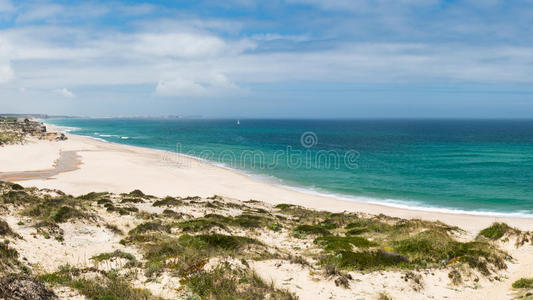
(199, 248)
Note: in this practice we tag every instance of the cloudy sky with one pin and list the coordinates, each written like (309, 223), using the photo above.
(272, 58)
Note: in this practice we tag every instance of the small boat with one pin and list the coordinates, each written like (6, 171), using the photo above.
(238, 122)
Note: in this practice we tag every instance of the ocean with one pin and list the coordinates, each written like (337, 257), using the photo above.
(480, 167)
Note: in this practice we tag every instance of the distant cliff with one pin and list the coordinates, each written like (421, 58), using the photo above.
(17, 130)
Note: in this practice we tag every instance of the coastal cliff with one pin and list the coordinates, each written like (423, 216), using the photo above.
(18, 130)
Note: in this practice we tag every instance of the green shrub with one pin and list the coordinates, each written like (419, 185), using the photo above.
(131, 200)
(434, 247)
(311, 230)
(188, 254)
(523, 283)
(57, 209)
(137, 193)
(216, 241)
(172, 214)
(200, 224)
(9, 262)
(283, 206)
(495, 231)
(366, 260)
(249, 221)
(104, 202)
(92, 196)
(18, 197)
(115, 254)
(168, 201)
(226, 283)
(64, 213)
(276, 227)
(108, 286)
(17, 187)
(367, 225)
(150, 226)
(356, 231)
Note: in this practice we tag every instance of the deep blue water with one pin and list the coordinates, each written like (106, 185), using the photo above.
(483, 166)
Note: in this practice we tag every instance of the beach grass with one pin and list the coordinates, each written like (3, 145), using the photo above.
(496, 231)
(102, 285)
(523, 283)
(210, 247)
(224, 282)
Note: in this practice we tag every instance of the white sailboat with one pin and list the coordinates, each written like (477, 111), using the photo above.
(238, 122)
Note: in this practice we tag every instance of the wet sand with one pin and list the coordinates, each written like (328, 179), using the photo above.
(68, 161)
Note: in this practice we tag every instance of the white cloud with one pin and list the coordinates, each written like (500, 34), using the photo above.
(189, 24)
(178, 45)
(212, 84)
(64, 92)
(180, 87)
(188, 62)
(275, 37)
(6, 73)
(181, 58)
(185, 45)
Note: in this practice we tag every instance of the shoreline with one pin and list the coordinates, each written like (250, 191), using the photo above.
(392, 203)
(209, 179)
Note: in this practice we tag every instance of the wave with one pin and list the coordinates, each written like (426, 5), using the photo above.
(112, 136)
(108, 135)
(412, 204)
(97, 138)
(65, 129)
(523, 214)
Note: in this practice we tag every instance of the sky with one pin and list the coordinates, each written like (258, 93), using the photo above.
(268, 59)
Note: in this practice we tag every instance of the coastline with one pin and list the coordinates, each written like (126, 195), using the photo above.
(269, 179)
(119, 168)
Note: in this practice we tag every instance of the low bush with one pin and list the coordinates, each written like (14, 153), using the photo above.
(496, 231)
(523, 283)
(311, 230)
(339, 243)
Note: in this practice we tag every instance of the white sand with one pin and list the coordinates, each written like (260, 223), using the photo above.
(120, 168)
(35, 155)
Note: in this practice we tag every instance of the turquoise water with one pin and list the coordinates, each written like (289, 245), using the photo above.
(476, 166)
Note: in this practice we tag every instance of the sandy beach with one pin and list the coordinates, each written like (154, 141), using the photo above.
(81, 165)
(119, 168)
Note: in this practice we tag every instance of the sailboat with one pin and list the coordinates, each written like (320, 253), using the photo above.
(238, 122)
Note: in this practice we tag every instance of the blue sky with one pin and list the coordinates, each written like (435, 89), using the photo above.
(277, 58)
